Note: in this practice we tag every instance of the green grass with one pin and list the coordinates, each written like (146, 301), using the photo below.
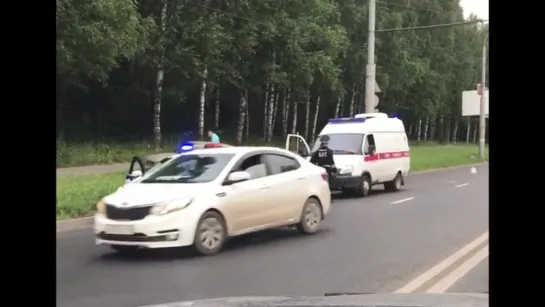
(77, 195)
(92, 153)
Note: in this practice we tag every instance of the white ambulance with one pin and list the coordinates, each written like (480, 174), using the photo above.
(369, 149)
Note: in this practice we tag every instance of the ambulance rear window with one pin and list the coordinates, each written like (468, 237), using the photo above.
(342, 143)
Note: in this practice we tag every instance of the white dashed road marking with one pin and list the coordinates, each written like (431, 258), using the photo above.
(402, 200)
(461, 185)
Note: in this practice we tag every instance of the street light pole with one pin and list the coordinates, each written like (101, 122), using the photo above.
(482, 116)
(370, 69)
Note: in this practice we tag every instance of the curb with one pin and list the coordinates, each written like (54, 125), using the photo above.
(447, 168)
(74, 224)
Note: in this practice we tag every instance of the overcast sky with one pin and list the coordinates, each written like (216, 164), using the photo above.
(477, 7)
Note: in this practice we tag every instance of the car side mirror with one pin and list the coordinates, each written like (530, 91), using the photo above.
(238, 177)
(136, 174)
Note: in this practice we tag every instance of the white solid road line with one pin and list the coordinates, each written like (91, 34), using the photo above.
(459, 272)
(461, 185)
(441, 266)
(402, 200)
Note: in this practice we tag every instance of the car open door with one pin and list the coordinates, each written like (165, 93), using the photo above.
(136, 169)
(297, 144)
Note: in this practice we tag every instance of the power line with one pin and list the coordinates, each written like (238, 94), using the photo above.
(443, 25)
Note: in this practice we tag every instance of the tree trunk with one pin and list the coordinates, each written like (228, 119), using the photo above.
(202, 103)
(426, 125)
(241, 117)
(294, 118)
(159, 83)
(338, 106)
(315, 118)
(307, 115)
(455, 132)
(217, 106)
(270, 112)
(475, 131)
(247, 116)
(447, 130)
(352, 101)
(468, 131)
(285, 113)
(419, 130)
(275, 114)
(265, 109)
(441, 128)
(433, 128)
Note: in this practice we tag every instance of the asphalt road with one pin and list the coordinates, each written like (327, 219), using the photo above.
(375, 244)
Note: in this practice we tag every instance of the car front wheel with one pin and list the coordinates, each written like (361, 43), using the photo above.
(211, 234)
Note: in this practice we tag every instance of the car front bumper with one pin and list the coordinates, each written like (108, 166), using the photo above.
(151, 232)
(339, 182)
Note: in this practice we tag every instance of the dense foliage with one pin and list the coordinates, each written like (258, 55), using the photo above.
(258, 67)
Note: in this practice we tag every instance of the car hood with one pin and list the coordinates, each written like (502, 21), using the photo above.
(138, 194)
(383, 299)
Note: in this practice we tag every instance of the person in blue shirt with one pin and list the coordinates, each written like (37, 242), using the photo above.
(214, 138)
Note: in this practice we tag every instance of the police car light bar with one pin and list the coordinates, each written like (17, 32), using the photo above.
(346, 120)
(185, 147)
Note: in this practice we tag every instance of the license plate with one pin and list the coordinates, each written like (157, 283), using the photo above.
(119, 229)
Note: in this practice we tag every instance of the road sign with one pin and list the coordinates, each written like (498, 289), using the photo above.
(471, 103)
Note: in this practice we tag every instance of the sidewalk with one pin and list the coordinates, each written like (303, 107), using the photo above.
(93, 169)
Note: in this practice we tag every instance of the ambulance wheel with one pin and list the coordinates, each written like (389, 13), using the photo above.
(365, 186)
(394, 185)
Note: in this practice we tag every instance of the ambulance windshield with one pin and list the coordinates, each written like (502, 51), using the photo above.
(342, 143)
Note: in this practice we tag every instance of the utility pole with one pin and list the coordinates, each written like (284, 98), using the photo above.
(370, 69)
(482, 115)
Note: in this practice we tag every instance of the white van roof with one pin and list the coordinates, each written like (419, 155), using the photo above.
(365, 123)
(371, 115)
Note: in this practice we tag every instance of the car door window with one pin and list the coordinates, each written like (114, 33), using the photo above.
(369, 144)
(254, 165)
(281, 164)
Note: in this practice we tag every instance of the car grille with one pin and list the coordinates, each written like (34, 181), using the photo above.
(124, 214)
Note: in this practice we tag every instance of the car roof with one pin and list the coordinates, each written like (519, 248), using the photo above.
(234, 150)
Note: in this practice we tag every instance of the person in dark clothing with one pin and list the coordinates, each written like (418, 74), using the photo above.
(324, 157)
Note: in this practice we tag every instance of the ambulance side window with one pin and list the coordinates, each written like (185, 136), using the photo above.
(369, 145)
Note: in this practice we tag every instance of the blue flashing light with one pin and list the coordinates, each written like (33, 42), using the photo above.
(346, 120)
(185, 147)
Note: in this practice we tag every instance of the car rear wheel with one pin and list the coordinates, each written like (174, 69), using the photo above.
(311, 217)
(394, 185)
(211, 234)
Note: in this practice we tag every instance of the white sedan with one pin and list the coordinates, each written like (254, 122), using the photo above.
(205, 196)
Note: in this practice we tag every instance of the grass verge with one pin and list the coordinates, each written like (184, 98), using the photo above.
(92, 153)
(77, 195)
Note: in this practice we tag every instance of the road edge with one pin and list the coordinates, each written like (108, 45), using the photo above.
(74, 224)
(79, 223)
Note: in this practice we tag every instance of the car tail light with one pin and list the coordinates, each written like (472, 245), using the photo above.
(325, 176)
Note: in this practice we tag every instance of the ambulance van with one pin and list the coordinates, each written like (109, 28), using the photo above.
(369, 149)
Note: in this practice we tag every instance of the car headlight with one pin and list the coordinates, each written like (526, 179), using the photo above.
(347, 169)
(171, 206)
(101, 206)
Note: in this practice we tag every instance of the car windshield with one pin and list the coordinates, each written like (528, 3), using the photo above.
(158, 165)
(342, 143)
(189, 168)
